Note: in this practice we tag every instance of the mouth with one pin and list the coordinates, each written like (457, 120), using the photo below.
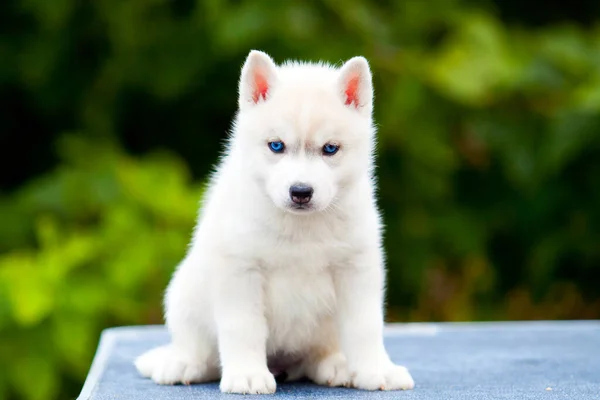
(300, 208)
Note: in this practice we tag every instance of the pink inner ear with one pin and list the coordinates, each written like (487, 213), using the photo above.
(352, 91)
(261, 86)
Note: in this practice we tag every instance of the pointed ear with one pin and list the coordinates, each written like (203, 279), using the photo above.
(356, 84)
(259, 74)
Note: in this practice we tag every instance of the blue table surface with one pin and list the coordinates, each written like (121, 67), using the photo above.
(502, 360)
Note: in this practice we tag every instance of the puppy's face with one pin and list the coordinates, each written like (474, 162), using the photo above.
(307, 128)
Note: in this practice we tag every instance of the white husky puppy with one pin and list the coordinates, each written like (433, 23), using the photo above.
(285, 272)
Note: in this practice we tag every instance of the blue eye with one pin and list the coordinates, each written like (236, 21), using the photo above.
(330, 149)
(276, 147)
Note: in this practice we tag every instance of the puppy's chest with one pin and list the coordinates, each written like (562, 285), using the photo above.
(299, 297)
(303, 252)
(299, 279)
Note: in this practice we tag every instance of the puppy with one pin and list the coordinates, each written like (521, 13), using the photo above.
(285, 271)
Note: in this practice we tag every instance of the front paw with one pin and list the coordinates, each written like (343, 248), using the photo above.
(391, 377)
(249, 382)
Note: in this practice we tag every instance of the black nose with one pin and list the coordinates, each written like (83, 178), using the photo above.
(301, 193)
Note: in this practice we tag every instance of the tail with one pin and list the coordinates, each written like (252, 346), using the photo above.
(147, 362)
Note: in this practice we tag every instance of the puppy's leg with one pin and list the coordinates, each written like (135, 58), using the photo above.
(359, 290)
(182, 361)
(191, 357)
(324, 364)
(328, 368)
(242, 329)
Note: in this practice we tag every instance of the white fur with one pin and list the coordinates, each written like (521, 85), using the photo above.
(266, 285)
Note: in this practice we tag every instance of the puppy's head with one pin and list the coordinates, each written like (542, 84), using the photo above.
(305, 130)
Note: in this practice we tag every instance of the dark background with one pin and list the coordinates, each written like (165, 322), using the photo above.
(113, 113)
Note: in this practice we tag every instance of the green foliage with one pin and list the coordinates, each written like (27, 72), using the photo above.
(489, 158)
(106, 233)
